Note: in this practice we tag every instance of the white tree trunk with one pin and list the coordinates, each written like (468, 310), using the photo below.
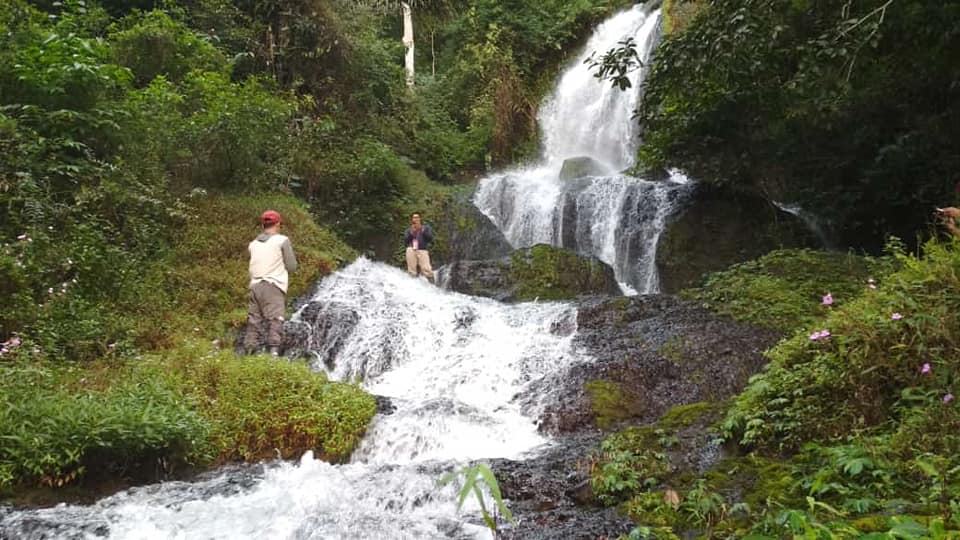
(408, 40)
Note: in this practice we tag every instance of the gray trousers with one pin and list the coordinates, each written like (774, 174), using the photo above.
(267, 303)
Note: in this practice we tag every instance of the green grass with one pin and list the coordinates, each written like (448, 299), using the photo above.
(208, 270)
(783, 290)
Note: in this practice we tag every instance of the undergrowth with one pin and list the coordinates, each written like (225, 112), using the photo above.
(851, 432)
(783, 289)
(179, 400)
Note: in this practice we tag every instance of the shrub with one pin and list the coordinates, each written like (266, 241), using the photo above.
(152, 44)
(231, 132)
(891, 347)
(57, 426)
(263, 409)
(352, 185)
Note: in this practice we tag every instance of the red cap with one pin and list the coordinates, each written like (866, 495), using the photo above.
(270, 217)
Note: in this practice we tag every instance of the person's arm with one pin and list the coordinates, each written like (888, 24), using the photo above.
(950, 217)
(407, 237)
(427, 234)
(289, 258)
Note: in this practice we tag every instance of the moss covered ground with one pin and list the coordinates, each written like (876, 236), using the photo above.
(551, 273)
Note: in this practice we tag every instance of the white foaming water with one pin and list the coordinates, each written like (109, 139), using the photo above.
(452, 366)
(615, 217)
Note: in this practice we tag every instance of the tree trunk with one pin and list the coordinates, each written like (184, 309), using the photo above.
(408, 40)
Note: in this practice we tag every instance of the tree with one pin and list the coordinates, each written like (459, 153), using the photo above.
(406, 11)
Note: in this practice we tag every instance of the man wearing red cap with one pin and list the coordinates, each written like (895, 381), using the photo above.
(271, 258)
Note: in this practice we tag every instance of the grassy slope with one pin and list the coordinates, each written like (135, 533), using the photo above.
(187, 402)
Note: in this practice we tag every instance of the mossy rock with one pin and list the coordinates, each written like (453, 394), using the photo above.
(578, 167)
(683, 416)
(541, 272)
(783, 289)
(719, 229)
(551, 273)
(610, 403)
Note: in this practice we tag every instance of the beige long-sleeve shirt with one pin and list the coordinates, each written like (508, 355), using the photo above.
(271, 258)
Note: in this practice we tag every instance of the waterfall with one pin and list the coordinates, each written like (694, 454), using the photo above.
(451, 365)
(613, 216)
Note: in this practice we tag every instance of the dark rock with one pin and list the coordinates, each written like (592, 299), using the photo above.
(464, 232)
(717, 229)
(549, 494)
(540, 272)
(658, 352)
(578, 167)
(385, 405)
(321, 330)
(662, 355)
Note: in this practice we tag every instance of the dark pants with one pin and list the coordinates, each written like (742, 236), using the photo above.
(267, 303)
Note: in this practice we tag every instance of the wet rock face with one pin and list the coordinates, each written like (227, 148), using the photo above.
(550, 495)
(539, 272)
(323, 328)
(657, 352)
(716, 230)
(469, 234)
(578, 167)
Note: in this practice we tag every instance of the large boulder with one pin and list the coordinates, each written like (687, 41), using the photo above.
(717, 229)
(578, 167)
(652, 353)
(463, 232)
(540, 272)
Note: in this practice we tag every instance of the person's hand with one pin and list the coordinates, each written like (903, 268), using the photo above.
(950, 216)
(949, 212)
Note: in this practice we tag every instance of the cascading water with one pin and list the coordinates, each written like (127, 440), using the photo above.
(451, 365)
(615, 217)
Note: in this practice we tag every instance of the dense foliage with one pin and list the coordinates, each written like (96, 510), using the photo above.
(882, 354)
(849, 433)
(111, 116)
(851, 109)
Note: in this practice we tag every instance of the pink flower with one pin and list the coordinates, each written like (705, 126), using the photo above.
(896, 316)
(819, 335)
(948, 398)
(925, 369)
(828, 299)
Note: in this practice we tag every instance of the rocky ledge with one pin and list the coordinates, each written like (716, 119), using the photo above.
(540, 272)
(658, 360)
